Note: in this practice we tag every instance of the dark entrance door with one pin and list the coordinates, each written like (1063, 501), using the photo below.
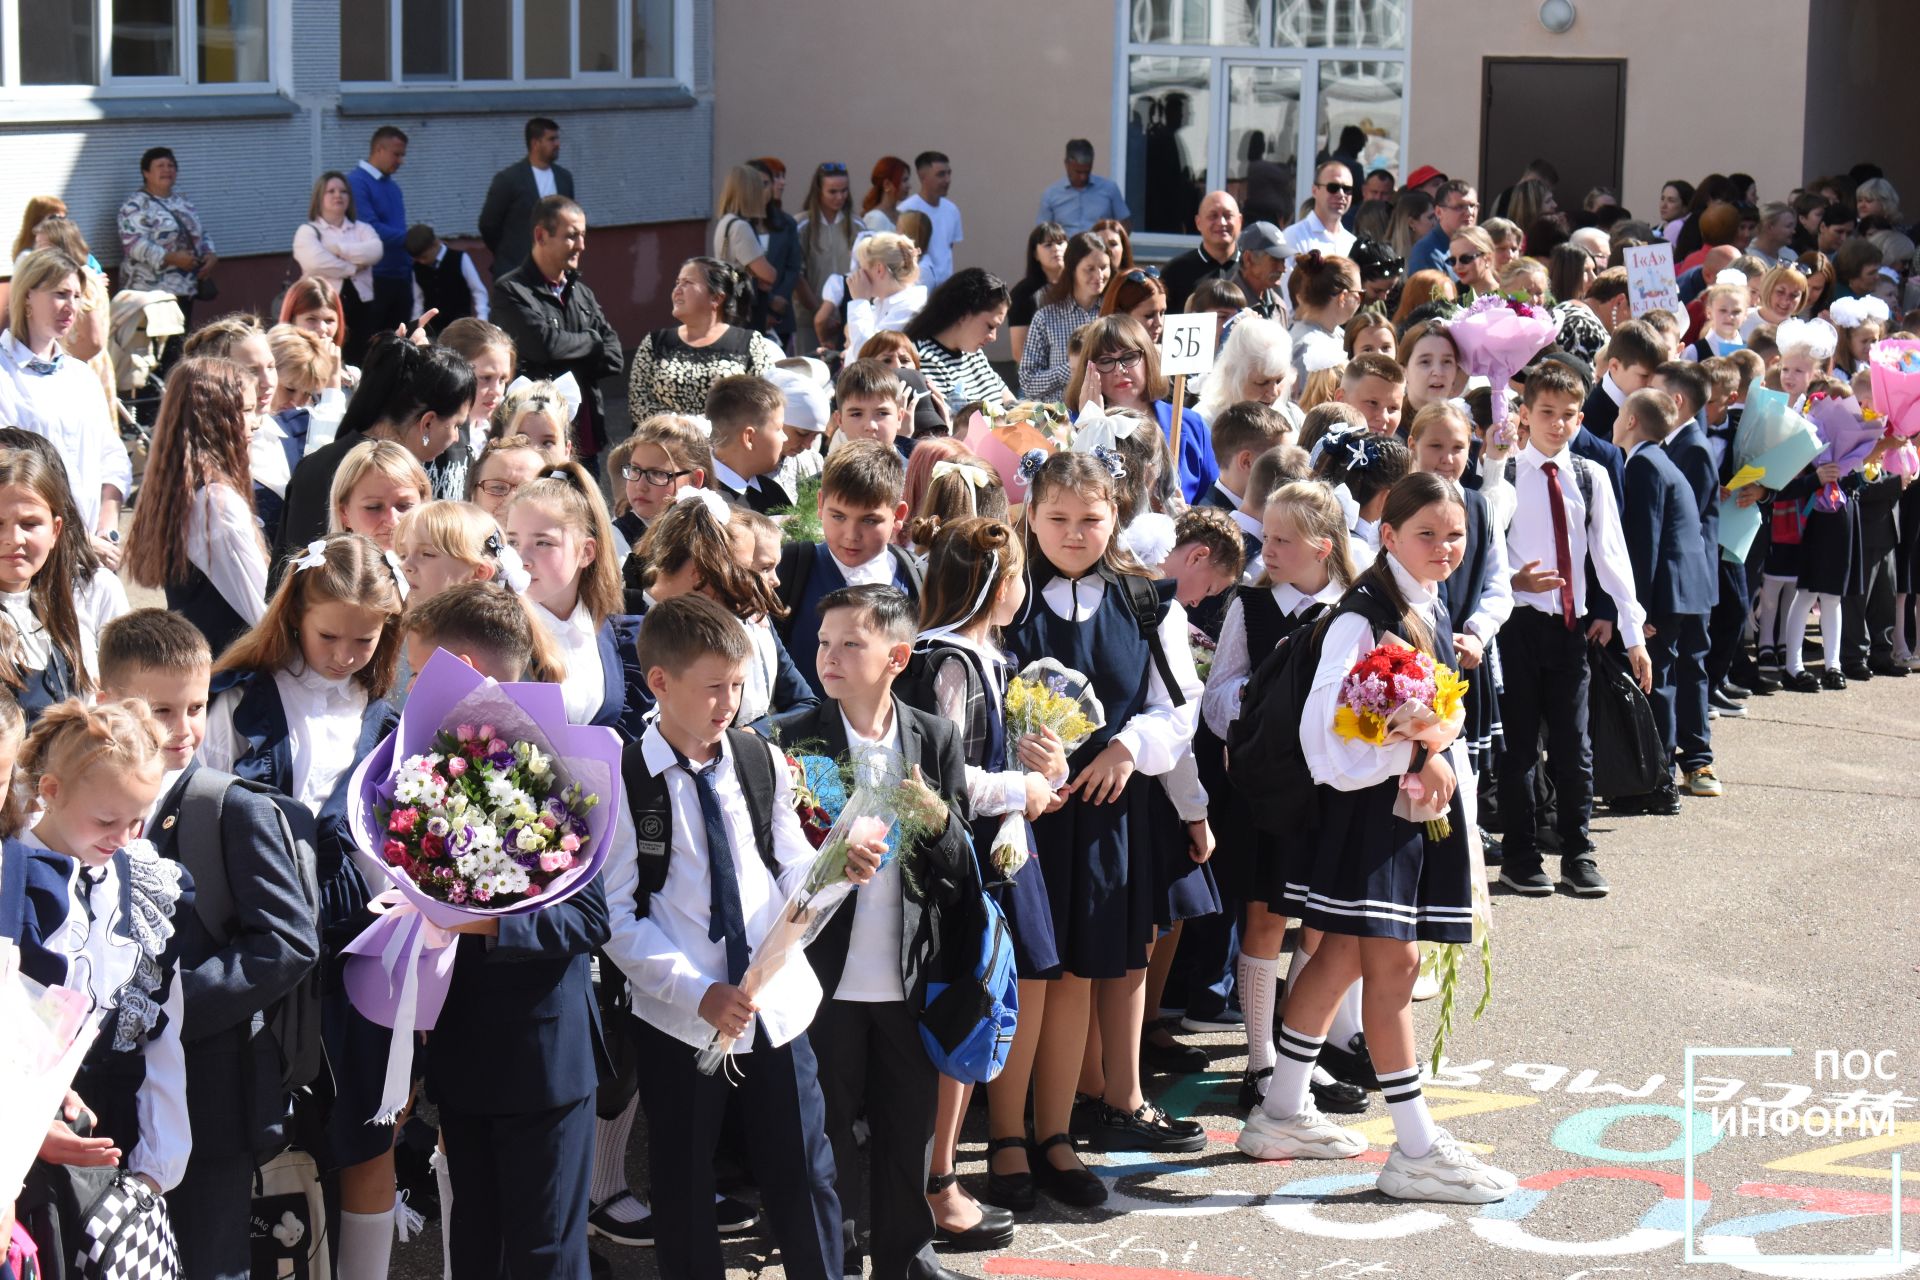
(1565, 110)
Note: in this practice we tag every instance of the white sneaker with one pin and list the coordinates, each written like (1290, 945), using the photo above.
(1448, 1173)
(1307, 1136)
(1425, 987)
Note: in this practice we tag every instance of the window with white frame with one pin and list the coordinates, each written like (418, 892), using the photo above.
(1245, 95)
(550, 42)
(134, 43)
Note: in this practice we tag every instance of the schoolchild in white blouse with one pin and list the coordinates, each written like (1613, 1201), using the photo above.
(47, 655)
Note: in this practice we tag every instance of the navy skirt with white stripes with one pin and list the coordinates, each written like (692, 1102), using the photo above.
(1372, 875)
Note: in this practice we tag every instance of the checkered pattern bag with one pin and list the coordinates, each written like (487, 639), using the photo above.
(127, 1235)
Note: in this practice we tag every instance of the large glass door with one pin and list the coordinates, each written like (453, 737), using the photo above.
(1260, 130)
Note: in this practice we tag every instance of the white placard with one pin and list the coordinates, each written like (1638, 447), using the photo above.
(1186, 343)
(1650, 282)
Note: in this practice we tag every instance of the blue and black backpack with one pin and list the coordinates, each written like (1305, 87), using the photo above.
(967, 1025)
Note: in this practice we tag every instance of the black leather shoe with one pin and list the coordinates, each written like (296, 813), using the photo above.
(1802, 681)
(1735, 691)
(1171, 1057)
(1834, 680)
(1087, 1113)
(1338, 1096)
(993, 1231)
(1253, 1087)
(1857, 671)
(1888, 667)
(1008, 1190)
(1148, 1129)
(1076, 1186)
(1350, 1063)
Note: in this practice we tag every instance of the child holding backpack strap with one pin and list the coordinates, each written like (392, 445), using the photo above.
(1378, 883)
(252, 941)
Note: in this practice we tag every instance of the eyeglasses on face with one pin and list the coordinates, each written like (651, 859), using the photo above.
(496, 488)
(1463, 206)
(1124, 360)
(1338, 188)
(833, 166)
(652, 475)
(1462, 259)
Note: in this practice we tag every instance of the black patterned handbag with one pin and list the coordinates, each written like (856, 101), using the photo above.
(126, 1235)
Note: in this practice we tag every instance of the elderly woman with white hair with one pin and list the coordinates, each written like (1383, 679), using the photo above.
(1596, 244)
(1255, 363)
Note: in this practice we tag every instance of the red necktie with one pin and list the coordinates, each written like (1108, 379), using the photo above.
(1562, 548)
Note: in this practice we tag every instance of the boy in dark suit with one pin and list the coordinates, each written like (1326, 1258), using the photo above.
(707, 851)
(232, 968)
(1240, 435)
(877, 955)
(1672, 575)
(1687, 445)
(1634, 351)
(516, 1055)
(749, 439)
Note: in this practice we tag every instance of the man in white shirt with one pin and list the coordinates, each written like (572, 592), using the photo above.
(936, 176)
(1321, 229)
(506, 219)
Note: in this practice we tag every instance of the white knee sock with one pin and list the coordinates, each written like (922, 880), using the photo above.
(610, 1165)
(1830, 631)
(366, 1244)
(1300, 957)
(1292, 1069)
(1346, 1019)
(444, 1180)
(1793, 636)
(1259, 991)
(1413, 1127)
(1773, 593)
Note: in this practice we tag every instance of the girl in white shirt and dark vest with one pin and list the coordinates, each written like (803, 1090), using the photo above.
(46, 655)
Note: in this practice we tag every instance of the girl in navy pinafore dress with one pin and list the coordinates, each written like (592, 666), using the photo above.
(1093, 609)
(45, 652)
(974, 584)
(1377, 883)
(299, 704)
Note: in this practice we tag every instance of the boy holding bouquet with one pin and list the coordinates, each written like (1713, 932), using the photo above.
(706, 854)
(877, 955)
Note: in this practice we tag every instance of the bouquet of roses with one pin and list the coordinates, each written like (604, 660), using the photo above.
(1045, 696)
(882, 807)
(1399, 694)
(1497, 337)
(1894, 366)
(482, 802)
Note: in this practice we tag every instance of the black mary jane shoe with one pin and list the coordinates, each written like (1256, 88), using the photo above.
(1008, 1190)
(1338, 1097)
(1170, 1056)
(993, 1231)
(1350, 1063)
(1077, 1187)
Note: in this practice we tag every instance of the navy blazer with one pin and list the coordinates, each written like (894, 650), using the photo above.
(520, 1030)
(1694, 457)
(944, 869)
(237, 1104)
(1671, 572)
(625, 699)
(1599, 413)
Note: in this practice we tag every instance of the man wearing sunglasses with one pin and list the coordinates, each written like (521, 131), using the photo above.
(1455, 205)
(1083, 197)
(1322, 229)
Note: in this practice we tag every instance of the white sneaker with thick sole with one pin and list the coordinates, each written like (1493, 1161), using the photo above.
(1307, 1136)
(1449, 1173)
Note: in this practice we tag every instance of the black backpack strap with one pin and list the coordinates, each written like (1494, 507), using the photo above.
(651, 809)
(1149, 608)
(753, 761)
(907, 567)
(202, 804)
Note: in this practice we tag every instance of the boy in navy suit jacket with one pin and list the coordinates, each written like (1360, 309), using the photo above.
(872, 1061)
(1672, 576)
(517, 1053)
(1634, 351)
(1689, 386)
(231, 969)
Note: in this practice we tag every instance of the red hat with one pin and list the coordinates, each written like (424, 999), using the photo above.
(1423, 175)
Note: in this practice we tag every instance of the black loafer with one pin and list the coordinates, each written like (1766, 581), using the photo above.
(1857, 671)
(1762, 686)
(1173, 1057)
(1802, 681)
(1351, 1063)
(1008, 1190)
(1338, 1096)
(1148, 1129)
(1086, 1114)
(1077, 1187)
(1834, 680)
(993, 1231)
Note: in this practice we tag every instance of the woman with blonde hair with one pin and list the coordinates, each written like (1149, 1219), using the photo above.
(1255, 363)
(378, 483)
(740, 230)
(883, 290)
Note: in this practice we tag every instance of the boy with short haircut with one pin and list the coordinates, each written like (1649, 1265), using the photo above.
(862, 504)
(233, 968)
(444, 281)
(903, 928)
(1376, 385)
(1671, 328)
(1674, 580)
(1634, 351)
(1209, 555)
(869, 403)
(749, 440)
(706, 851)
(1565, 519)
(1691, 449)
(479, 623)
(1240, 435)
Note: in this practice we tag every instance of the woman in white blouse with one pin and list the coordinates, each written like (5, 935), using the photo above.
(51, 394)
(331, 244)
(884, 289)
(194, 532)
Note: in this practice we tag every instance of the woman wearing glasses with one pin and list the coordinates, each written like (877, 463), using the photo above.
(1470, 256)
(1072, 302)
(1118, 367)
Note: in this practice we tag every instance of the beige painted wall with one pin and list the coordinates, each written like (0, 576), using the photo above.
(1676, 126)
(999, 85)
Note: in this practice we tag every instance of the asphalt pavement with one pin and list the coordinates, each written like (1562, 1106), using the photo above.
(1781, 916)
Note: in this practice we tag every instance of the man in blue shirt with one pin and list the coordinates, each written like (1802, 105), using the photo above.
(1082, 198)
(1455, 206)
(381, 205)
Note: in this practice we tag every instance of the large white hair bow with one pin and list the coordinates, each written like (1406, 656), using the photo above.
(566, 387)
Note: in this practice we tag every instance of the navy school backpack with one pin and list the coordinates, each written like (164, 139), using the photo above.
(967, 1025)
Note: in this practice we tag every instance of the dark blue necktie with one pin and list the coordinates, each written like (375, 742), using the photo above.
(725, 919)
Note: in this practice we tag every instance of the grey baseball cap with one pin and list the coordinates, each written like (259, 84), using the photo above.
(1263, 237)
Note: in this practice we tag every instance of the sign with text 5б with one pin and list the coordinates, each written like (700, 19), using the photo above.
(1186, 344)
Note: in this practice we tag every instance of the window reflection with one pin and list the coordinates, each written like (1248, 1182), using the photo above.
(1169, 104)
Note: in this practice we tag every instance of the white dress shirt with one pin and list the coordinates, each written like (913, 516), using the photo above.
(992, 792)
(99, 601)
(866, 316)
(223, 542)
(577, 638)
(732, 479)
(1248, 525)
(32, 642)
(756, 693)
(1311, 233)
(482, 308)
(1496, 601)
(1596, 536)
(1160, 733)
(101, 962)
(666, 954)
(68, 407)
(1233, 665)
(323, 730)
(876, 572)
(872, 972)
